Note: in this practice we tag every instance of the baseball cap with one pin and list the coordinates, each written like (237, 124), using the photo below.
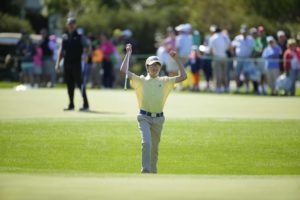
(291, 41)
(270, 38)
(152, 59)
(204, 49)
(253, 30)
(184, 28)
(243, 29)
(179, 27)
(71, 20)
(117, 32)
(280, 33)
(213, 28)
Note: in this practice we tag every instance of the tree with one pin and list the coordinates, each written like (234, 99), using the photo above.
(279, 10)
(147, 17)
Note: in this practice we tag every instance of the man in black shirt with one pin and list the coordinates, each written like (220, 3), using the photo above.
(73, 45)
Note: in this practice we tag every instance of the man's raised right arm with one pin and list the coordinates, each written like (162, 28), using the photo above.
(182, 74)
(125, 64)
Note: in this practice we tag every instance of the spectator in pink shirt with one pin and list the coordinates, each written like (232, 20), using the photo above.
(37, 60)
(108, 50)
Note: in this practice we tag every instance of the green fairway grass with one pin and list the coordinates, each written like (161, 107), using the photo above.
(187, 147)
(96, 153)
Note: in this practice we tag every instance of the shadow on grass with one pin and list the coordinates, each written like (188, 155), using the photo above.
(102, 112)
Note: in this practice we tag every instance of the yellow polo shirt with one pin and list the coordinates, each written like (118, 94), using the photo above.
(152, 93)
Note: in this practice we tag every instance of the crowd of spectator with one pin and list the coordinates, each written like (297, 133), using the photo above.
(100, 65)
(250, 62)
(37, 59)
(271, 64)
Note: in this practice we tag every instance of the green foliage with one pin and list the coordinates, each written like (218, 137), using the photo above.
(62, 6)
(10, 23)
(230, 14)
(281, 10)
(223, 13)
(144, 24)
(145, 18)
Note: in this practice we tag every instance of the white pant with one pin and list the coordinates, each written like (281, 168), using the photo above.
(150, 129)
(272, 75)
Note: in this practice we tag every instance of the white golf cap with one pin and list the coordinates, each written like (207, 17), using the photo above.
(291, 41)
(152, 59)
(179, 27)
(243, 29)
(204, 49)
(253, 30)
(186, 28)
(270, 38)
(280, 33)
(213, 28)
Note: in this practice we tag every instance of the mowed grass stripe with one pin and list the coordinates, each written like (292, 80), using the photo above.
(254, 147)
(148, 187)
(46, 103)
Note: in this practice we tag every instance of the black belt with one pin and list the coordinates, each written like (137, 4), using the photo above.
(143, 112)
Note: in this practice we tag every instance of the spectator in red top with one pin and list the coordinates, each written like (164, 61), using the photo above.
(282, 42)
(291, 63)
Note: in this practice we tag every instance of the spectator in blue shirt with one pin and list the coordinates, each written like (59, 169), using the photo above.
(271, 54)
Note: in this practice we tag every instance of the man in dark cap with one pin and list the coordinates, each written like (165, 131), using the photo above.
(73, 45)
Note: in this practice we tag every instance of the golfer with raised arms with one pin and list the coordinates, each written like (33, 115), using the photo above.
(152, 92)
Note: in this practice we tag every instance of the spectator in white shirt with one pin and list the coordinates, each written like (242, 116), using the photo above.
(243, 46)
(219, 45)
(184, 42)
